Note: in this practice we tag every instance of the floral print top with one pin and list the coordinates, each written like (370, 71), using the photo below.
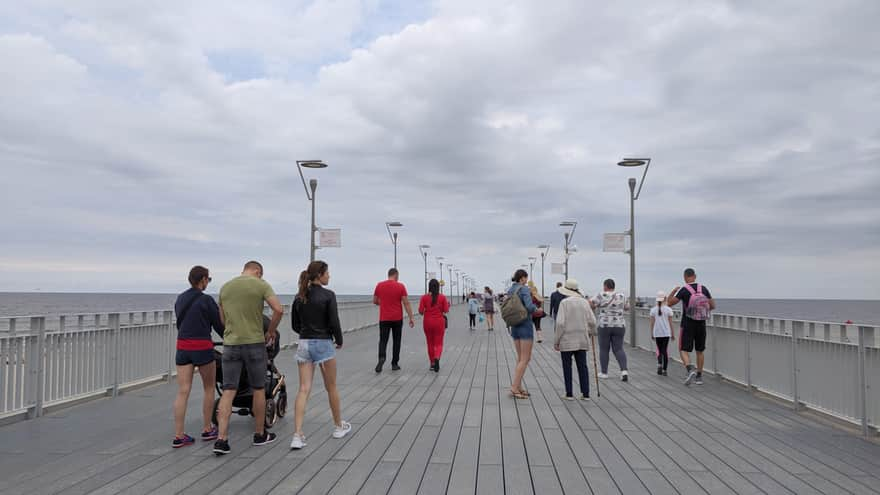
(610, 307)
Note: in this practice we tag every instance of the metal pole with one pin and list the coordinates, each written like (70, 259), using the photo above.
(863, 404)
(395, 250)
(542, 275)
(566, 256)
(425, 254)
(314, 185)
(795, 330)
(632, 261)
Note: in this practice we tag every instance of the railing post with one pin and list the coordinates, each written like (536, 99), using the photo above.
(863, 385)
(36, 353)
(714, 346)
(795, 330)
(751, 323)
(113, 325)
(171, 340)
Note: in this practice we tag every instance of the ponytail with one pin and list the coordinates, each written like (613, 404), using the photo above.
(660, 308)
(434, 290)
(309, 275)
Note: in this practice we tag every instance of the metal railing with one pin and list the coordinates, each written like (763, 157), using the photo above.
(53, 361)
(831, 368)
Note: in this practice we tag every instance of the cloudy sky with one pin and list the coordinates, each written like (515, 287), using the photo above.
(136, 140)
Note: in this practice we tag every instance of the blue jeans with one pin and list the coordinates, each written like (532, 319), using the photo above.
(315, 351)
(580, 359)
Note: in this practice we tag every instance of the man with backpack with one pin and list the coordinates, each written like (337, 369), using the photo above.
(697, 303)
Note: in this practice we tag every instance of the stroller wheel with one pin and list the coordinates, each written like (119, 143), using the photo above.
(270, 413)
(214, 413)
(281, 405)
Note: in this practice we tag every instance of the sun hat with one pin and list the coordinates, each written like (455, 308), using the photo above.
(570, 288)
(661, 296)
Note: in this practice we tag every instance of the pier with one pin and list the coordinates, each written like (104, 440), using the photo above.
(458, 431)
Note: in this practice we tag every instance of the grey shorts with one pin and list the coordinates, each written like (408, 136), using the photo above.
(252, 357)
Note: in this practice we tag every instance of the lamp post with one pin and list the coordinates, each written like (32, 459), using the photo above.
(423, 248)
(568, 237)
(532, 261)
(633, 196)
(393, 236)
(313, 184)
(449, 267)
(544, 250)
(440, 261)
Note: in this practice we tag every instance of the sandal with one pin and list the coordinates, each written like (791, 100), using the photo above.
(525, 392)
(518, 395)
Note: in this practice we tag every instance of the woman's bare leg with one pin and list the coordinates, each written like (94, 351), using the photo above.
(184, 385)
(208, 372)
(306, 373)
(328, 371)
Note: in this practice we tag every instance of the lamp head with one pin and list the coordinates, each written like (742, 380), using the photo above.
(632, 162)
(394, 224)
(311, 163)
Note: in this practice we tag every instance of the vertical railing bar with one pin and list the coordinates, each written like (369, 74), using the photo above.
(795, 330)
(113, 324)
(863, 385)
(170, 341)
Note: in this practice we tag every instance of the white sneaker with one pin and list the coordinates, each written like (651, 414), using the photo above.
(624, 375)
(298, 442)
(341, 431)
(568, 397)
(603, 375)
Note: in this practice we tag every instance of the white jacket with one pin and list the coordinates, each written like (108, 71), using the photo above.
(575, 323)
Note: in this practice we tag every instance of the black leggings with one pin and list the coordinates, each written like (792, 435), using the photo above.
(662, 352)
(473, 320)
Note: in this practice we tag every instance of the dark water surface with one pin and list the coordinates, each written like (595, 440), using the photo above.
(45, 303)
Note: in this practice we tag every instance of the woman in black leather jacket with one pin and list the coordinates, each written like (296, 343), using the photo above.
(315, 318)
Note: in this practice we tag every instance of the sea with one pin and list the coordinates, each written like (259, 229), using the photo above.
(863, 312)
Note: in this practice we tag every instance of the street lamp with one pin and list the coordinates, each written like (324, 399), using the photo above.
(423, 248)
(544, 250)
(532, 261)
(449, 267)
(313, 184)
(633, 196)
(393, 236)
(568, 237)
(440, 261)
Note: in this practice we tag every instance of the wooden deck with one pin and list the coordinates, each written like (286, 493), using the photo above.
(453, 432)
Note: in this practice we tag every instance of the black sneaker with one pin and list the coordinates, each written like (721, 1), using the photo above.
(659, 370)
(264, 439)
(379, 368)
(221, 447)
(395, 367)
(665, 373)
(699, 380)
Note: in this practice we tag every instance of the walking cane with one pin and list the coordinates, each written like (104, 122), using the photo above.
(595, 366)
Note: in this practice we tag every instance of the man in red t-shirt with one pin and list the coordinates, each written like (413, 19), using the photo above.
(391, 297)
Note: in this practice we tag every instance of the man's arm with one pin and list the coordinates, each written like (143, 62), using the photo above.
(277, 313)
(375, 299)
(408, 307)
(216, 317)
(222, 318)
(672, 298)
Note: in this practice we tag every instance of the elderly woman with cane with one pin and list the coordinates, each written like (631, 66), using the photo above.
(575, 326)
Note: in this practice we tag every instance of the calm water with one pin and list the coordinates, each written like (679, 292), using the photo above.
(39, 303)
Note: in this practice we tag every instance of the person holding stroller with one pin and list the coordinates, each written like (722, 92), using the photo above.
(315, 317)
(244, 346)
(196, 314)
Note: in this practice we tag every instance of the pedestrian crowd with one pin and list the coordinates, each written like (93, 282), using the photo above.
(245, 375)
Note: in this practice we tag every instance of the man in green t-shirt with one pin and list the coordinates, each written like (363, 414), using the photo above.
(244, 346)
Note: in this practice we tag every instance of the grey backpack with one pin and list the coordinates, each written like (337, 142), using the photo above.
(513, 312)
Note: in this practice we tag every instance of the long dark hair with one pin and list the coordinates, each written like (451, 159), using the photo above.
(660, 308)
(488, 290)
(518, 275)
(315, 270)
(434, 290)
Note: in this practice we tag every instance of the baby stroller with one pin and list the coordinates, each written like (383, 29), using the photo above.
(276, 389)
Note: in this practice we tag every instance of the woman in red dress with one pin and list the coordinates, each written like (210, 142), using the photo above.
(433, 306)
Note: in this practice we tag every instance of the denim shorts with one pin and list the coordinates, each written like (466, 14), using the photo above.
(315, 351)
(523, 331)
(252, 357)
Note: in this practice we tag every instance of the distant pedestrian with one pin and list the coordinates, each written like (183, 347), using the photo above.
(697, 303)
(523, 333)
(555, 299)
(612, 327)
(575, 323)
(661, 331)
(433, 307)
(315, 318)
(539, 313)
(489, 308)
(473, 308)
(244, 346)
(391, 297)
(196, 314)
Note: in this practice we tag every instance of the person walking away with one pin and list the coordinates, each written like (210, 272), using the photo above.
(196, 315)
(539, 313)
(391, 297)
(473, 308)
(575, 324)
(432, 306)
(489, 308)
(661, 331)
(315, 318)
(555, 299)
(612, 327)
(697, 303)
(244, 346)
(523, 333)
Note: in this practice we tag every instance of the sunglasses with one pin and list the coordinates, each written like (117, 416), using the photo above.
(209, 279)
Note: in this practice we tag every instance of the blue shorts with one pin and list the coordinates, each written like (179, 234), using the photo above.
(523, 331)
(315, 351)
(195, 358)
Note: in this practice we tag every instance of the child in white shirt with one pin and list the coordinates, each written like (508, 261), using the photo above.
(661, 328)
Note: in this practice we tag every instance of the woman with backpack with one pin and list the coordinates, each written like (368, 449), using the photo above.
(432, 306)
(519, 304)
(661, 331)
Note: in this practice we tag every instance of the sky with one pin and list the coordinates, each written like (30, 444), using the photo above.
(137, 140)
